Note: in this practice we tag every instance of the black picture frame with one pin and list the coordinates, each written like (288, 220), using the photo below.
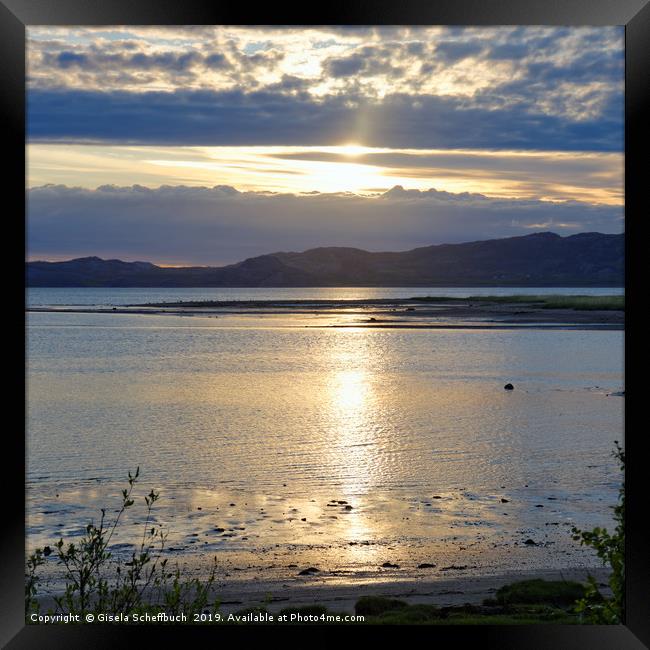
(15, 15)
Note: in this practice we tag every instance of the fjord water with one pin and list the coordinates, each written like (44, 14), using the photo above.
(42, 297)
(285, 418)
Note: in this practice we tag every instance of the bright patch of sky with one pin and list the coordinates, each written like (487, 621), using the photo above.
(553, 176)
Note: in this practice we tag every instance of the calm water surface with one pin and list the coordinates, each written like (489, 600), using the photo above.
(285, 419)
(40, 297)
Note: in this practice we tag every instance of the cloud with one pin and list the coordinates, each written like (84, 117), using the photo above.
(571, 74)
(218, 225)
(102, 64)
(452, 51)
(171, 61)
(264, 118)
(344, 67)
(592, 177)
(374, 61)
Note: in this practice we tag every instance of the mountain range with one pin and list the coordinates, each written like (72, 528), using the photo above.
(538, 259)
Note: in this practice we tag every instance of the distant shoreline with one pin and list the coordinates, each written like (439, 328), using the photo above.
(542, 259)
(427, 312)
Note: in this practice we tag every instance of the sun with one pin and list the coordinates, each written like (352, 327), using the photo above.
(352, 149)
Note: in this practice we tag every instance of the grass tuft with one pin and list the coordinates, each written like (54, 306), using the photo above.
(375, 605)
(555, 592)
(582, 303)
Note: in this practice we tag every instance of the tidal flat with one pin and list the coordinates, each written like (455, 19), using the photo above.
(418, 312)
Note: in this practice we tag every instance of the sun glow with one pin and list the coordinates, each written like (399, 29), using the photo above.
(350, 389)
(353, 149)
(355, 356)
(350, 167)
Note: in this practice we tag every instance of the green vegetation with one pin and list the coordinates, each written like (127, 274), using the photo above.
(143, 584)
(524, 602)
(390, 611)
(582, 303)
(375, 605)
(473, 615)
(610, 548)
(558, 593)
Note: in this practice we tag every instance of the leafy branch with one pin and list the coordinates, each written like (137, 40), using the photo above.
(610, 548)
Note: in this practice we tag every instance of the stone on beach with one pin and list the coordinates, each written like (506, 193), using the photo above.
(309, 571)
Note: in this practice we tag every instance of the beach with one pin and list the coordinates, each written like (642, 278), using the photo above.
(274, 555)
(325, 449)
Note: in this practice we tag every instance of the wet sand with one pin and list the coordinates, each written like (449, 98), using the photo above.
(341, 595)
(450, 549)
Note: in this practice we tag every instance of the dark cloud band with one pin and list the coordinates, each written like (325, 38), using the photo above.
(220, 225)
(204, 118)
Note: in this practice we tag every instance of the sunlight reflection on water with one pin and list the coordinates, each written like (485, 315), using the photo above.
(284, 422)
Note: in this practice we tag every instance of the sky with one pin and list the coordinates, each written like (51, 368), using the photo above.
(206, 145)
